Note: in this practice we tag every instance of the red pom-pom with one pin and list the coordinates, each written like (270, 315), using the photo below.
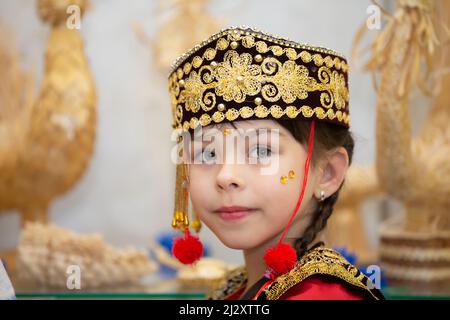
(281, 258)
(188, 249)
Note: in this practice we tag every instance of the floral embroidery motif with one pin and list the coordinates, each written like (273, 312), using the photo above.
(237, 77)
(291, 82)
(195, 86)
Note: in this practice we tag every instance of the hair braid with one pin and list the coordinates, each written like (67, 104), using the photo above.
(319, 221)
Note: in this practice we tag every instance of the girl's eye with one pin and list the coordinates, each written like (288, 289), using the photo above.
(207, 156)
(260, 152)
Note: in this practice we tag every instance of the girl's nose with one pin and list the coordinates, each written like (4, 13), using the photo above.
(229, 178)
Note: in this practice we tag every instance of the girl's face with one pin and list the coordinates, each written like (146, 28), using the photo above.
(241, 203)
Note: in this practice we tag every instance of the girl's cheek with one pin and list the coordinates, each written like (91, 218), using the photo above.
(194, 189)
(198, 184)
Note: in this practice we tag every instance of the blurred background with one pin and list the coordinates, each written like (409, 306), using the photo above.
(120, 184)
(127, 190)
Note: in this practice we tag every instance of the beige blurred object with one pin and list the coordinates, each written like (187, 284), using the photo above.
(204, 274)
(346, 225)
(409, 52)
(46, 252)
(188, 24)
(16, 99)
(54, 136)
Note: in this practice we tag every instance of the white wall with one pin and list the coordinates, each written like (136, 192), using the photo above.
(126, 194)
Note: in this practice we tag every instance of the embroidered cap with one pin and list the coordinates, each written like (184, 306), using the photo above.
(240, 73)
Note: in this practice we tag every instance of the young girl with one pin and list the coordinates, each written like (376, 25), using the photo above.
(263, 128)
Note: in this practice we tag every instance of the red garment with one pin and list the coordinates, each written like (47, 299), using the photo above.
(315, 287)
(236, 295)
(321, 288)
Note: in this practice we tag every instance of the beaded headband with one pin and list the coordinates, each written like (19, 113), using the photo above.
(240, 74)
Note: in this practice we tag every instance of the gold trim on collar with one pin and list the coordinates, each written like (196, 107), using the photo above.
(317, 261)
(323, 261)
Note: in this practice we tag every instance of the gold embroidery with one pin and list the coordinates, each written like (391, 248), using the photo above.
(249, 40)
(290, 83)
(187, 68)
(261, 47)
(334, 83)
(236, 78)
(246, 112)
(262, 111)
(241, 76)
(209, 54)
(179, 113)
(180, 73)
(317, 261)
(222, 44)
(193, 94)
(197, 61)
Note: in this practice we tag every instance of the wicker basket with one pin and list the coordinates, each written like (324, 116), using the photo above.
(417, 262)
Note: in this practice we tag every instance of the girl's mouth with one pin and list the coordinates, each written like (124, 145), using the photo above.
(234, 212)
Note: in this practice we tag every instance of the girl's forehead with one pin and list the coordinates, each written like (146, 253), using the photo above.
(244, 125)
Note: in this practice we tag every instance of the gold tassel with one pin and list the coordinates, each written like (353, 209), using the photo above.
(180, 216)
(181, 206)
(196, 223)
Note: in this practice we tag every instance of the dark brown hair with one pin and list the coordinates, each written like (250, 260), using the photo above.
(327, 136)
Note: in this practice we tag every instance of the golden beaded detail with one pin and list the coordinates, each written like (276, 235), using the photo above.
(291, 174)
(247, 31)
(263, 112)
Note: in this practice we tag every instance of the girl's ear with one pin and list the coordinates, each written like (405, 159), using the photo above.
(333, 172)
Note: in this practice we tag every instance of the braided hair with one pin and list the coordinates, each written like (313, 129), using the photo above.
(326, 137)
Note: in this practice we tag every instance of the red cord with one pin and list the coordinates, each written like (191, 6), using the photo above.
(305, 180)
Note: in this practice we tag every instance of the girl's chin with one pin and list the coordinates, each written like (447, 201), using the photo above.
(239, 243)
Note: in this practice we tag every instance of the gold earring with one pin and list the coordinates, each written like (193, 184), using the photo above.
(283, 179)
